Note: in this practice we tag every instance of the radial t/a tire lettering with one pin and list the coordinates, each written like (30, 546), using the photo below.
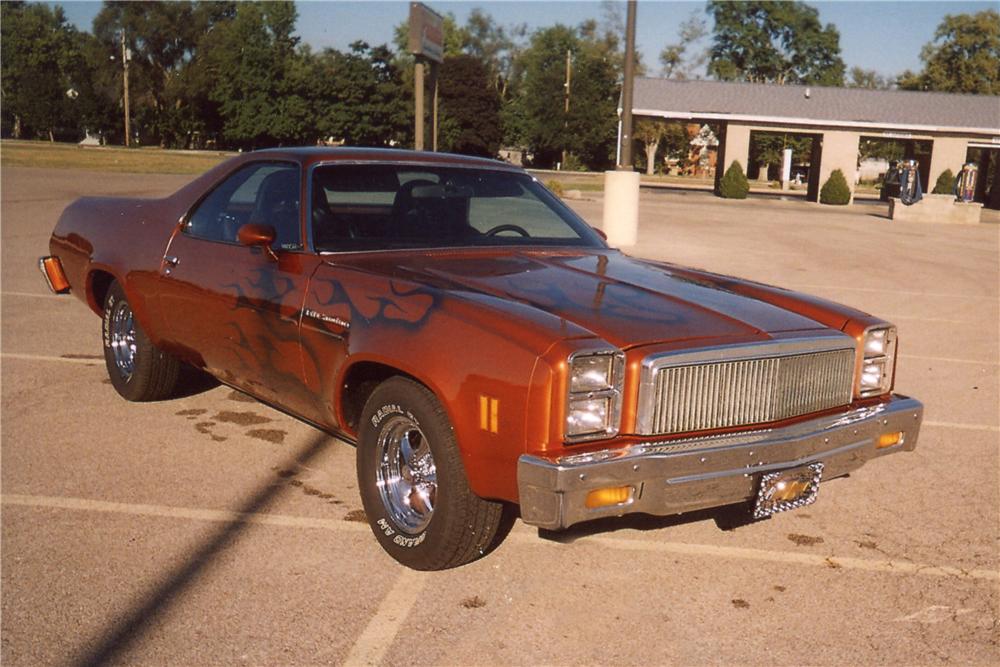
(138, 370)
(413, 484)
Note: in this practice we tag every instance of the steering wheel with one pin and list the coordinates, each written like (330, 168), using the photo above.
(508, 228)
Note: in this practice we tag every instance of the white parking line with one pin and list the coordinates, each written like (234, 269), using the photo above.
(950, 360)
(970, 427)
(890, 290)
(36, 295)
(412, 586)
(381, 630)
(917, 318)
(45, 357)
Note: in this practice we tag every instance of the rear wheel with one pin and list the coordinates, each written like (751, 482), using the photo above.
(413, 483)
(137, 369)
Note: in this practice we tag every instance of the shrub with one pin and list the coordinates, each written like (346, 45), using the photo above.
(734, 184)
(835, 190)
(945, 183)
(555, 187)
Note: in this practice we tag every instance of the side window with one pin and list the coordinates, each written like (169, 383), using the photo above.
(265, 193)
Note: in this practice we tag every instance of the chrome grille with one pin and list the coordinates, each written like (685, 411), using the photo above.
(723, 394)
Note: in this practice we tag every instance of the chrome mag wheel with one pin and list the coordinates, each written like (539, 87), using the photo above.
(122, 335)
(405, 474)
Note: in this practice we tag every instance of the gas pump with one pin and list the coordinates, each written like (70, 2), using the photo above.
(910, 191)
(965, 184)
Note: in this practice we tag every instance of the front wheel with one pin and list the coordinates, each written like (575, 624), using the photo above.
(138, 370)
(413, 483)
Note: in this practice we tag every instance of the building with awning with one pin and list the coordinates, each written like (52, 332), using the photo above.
(958, 127)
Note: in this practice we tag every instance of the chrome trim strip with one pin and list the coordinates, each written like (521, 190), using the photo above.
(770, 349)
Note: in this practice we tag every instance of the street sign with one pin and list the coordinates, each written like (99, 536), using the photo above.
(426, 32)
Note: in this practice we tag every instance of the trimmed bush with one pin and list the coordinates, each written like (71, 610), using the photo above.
(835, 191)
(945, 183)
(734, 184)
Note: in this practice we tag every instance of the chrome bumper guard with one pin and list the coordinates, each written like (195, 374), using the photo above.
(676, 476)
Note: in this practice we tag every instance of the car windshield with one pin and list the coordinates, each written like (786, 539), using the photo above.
(396, 206)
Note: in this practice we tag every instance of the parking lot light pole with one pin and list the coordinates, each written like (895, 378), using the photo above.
(621, 186)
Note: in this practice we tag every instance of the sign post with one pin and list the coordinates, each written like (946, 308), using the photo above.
(426, 44)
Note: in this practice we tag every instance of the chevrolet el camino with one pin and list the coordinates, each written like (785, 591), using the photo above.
(480, 344)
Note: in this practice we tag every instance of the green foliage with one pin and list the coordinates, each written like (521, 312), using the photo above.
(868, 78)
(589, 129)
(773, 42)
(887, 149)
(683, 59)
(470, 103)
(734, 184)
(945, 184)
(964, 56)
(767, 148)
(38, 64)
(556, 187)
(360, 98)
(835, 190)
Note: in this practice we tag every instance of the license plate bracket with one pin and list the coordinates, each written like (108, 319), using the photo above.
(787, 490)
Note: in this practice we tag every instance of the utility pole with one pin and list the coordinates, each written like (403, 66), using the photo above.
(418, 98)
(627, 88)
(126, 56)
(621, 186)
(569, 80)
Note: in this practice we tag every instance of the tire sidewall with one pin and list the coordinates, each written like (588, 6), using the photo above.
(124, 386)
(423, 549)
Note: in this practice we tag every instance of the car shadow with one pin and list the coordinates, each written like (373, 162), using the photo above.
(115, 640)
(728, 518)
(193, 381)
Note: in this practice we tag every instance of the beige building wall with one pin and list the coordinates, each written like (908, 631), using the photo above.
(946, 153)
(840, 151)
(737, 148)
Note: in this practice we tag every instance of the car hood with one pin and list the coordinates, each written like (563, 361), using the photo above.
(625, 301)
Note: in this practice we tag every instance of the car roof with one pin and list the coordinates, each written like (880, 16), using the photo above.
(309, 155)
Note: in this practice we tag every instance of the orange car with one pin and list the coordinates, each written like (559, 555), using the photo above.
(480, 344)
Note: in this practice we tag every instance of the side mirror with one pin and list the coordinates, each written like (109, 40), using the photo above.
(600, 232)
(253, 234)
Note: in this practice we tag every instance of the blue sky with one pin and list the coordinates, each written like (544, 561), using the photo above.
(884, 36)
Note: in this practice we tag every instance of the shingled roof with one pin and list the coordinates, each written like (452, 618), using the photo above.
(814, 105)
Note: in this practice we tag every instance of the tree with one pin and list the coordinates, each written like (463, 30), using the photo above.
(359, 97)
(259, 81)
(588, 130)
(650, 132)
(470, 105)
(163, 39)
(682, 60)
(773, 42)
(964, 56)
(868, 78)
(41, 53)
(767, 148)
(835, 191)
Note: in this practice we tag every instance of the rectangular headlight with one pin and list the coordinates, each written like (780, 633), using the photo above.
(593, 400)
(879, 348)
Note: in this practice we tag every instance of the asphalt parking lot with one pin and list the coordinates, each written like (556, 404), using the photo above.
(212, 529)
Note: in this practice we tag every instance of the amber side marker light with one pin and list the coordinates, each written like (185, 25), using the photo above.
(52, 271)
(889, 439)
(611, 495)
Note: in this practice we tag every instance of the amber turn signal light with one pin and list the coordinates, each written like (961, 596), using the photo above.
(52, 271)
(889, 439)
(611, 495)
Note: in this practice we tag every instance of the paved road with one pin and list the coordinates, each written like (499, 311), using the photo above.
(213, 530)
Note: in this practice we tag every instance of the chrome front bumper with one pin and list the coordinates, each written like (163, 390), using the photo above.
(675, 476)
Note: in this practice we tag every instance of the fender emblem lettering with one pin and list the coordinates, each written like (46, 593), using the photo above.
(308, 312)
